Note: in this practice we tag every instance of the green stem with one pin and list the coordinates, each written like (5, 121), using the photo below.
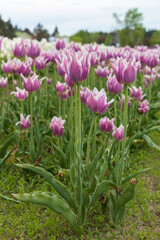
(59, 106)
(89, 139)
(31, 113)
(150, 87)
(139, 124)
(71, 118)
(115, 109)
(75, 112)
(125, 133)
(94, 139)
(79, 119)
(121, 111)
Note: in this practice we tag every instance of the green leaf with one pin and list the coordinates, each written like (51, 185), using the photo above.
(9, 199)
(53, 202)
(126, 196)
(5, 157)
(10, 139)
(103, 186)
(32, 150)
(134, 175)
(58, 186)
(151, 143)
(95, 160)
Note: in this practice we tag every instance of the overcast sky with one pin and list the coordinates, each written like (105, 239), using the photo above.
(73, 15)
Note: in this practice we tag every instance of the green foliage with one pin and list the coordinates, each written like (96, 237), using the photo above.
(155, 39)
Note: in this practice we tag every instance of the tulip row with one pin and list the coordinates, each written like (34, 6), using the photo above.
(98, 78)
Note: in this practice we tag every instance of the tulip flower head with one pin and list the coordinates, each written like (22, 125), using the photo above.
(49, 81)
(125, 71)
(24, 123)
(31, 84)
(7, 67)
(33, 49)
(19, 50)
(136, 93)
(152, 60)
(84, 94)
(57, 126)
(97, 101)
(102, 72)
(20, 94)
(60, 44)
(3, 82)
(107, 125)
(143, 107)
(118, 133)
(113, 85)
(78, 68)
(40, 63)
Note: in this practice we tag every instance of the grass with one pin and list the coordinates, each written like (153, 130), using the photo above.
(29, 221)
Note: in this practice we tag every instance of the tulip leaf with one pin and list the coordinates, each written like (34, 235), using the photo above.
(151, 143)
(11, 138)
(53, 202)
(134, 175)
(95, 160)
(58, 186)
(2, 160)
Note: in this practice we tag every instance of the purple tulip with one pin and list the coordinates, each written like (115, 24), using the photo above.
(136, 93)
(24, 68)
(94, 59)
(24, 123)
(3, 82)
(31, 84)
(118, 133)
(97, 101)
(64, 95)
(60, 87)
(60, 44)
(20, 94)
(113, 85)
(49, 81)
(148, 77)
(125, 71)
(57, 126)
(151, 59)
(143, 107)
(1, 38)
(19, 50)
(102, 72)
(7, 67)
(78, 67)
(84, 94)
(107, 125)
(33, 50)
(40, 63)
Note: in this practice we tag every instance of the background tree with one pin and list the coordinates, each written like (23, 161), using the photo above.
(132, 31)
(41, 32)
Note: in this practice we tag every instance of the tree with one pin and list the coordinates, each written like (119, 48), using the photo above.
(41, 32)
(132, 31)
(56, 32)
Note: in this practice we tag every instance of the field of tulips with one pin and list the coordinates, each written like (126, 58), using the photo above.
(75, 115)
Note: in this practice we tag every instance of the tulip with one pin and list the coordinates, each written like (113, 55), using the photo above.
(40, 63)
(107, 125)
(1, 38)
(7, 67)
(94, 60)
(24, 123)
(3, 82)
(25, 68)
(152, 60)
(60, 44)
(69, 81)
(118, 133)
(78, 68)
(49, 81)
(84, 94)
(97, 101)
(20, 94)
(113, 85)
(125, 71)
(31, 84)
(102, 72)
(60, 87)
(33, 50)
(57, 126)
(143, 107)
(136, 93)
(19, 50)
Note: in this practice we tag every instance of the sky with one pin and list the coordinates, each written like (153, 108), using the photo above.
(73, 15)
